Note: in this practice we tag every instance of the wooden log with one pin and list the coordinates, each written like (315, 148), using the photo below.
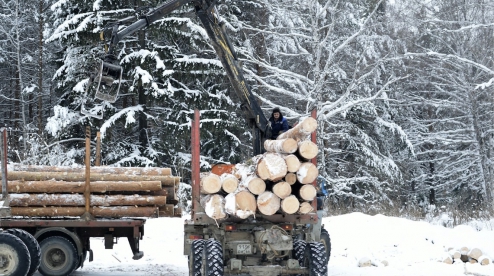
(100, 170)
(307, 192)
(64, 176)
(307, 149)
(484, 260)
(210, 183)
(24, 200)
(307, 173)
(305, 208)
(282, 189)
(291, 178)
(246, 204)
(214, 206)
(287, 145)
(51, 186)
(229, 183)
(290, 204)
(106, 212)
(254, 184)
(271, 167)
(168, 210)
(292, 163)
(474, 253)
(268, 203)
(301, 130)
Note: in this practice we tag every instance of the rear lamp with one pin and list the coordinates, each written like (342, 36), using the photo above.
(195, 237)
(287, 227)
(230, 227)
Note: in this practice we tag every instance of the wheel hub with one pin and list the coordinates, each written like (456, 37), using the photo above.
(8, 259)
(56, 257)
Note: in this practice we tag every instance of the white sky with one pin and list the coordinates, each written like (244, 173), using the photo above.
(410, 247)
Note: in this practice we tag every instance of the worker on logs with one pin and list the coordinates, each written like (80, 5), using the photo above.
(279, 124)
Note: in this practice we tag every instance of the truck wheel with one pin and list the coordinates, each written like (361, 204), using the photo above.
(315, 259)
(214, 259)
(14, 256)
(32, 246)
(299, 251)
(326, 241)
(195, 257)
(58, 256)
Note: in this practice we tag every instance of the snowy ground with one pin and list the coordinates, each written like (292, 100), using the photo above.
(410, 248)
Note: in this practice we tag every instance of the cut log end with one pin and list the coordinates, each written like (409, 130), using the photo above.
(290, 205)
(307, 173)
(282, 189)
(210, 184)
(308, 192)
(268, 203)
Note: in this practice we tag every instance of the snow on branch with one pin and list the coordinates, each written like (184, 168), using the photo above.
(129, 111)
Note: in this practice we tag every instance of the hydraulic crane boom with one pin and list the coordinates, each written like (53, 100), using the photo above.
(110, 70)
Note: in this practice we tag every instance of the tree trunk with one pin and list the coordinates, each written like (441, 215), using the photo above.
(281, 146)
(282, 189)
(19, 200)
(268, 203)
(271, 167)
(301, 130)
(290, 205)
(41, 28)
(214, 206)
(292, 163)
(307, 173)
(78, 187)
(307, 149)
(210, 184)
(229, 183)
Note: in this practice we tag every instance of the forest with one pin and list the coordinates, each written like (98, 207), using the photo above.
(403, 91)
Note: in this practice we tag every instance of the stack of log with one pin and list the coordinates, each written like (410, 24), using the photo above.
(466, 255)
(278, 181)
(47, 191)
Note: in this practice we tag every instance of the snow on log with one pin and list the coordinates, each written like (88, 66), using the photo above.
(254, 184)
(307, 149)
(99, 170)
(287, 145)
(246, 204)
(51, 186)
(474, 253)
(484, 260)
(19, 200)
(210, 183)
(291, 178)
(272, 167)
(301, 130)
(214, 206)
(454, 254)
(68, 176)
(305, 208)
(307, 173)
(282, 189)
(307, 192)
(290, 205)
(107, 212)
(292, 163)
(268, 203)
(447, 259)
(229, 183)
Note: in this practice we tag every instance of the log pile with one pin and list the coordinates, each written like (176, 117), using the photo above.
(47, 191)
(278, 181)
(466, 255)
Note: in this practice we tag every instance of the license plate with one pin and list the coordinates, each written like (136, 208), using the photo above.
(244, 249)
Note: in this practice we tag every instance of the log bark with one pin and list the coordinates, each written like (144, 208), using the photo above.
(291, 178)
(214, 206)
(68, 176)
(49, 186)
(282, 189)
(301, 130)
(292, 163)
(100, 170)
(268, 203)
(271, 167)
(307, 149)
(229, 183)
(287, 145)
(305, 208)
(255, 185)
(307, 173)
(169, 210)
(24, 200)
(307, 192)
(106, 212)
(290, 205)
(210, 183)
(246, 204)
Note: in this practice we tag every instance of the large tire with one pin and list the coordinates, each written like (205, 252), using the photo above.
(326, 241)
(213, 259)
(58, 257)
(14, 256)
(32, 246)
(195, 257)
(299, 251)
(315, 259)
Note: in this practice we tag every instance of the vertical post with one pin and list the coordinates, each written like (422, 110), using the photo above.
(3, 157)
(196, 153)
(88, 167)
(97, 162)
(314, 160)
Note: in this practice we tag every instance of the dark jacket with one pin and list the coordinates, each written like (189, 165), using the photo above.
(278, 127)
